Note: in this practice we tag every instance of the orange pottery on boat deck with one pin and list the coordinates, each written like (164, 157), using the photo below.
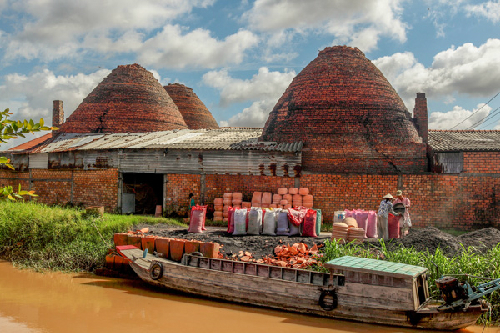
(120, 239)
(210, 250)
(176, 249)
(162, 245)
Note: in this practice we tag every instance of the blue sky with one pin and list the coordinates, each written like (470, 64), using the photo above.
(240, 56)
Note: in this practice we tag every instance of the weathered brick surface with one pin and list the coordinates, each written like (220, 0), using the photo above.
(130, 100)
(481, 162)
(194, 112)
(178, 188)
(91, 188)
(349, 117)
(463, 201)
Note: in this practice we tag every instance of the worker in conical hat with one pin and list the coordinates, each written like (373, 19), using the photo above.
(384, 209)
(404, 220)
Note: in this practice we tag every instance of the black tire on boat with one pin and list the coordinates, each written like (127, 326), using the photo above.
(328, 300)
(156, 271)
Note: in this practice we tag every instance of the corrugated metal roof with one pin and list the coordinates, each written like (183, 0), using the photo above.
(464, 140)
(206, 139)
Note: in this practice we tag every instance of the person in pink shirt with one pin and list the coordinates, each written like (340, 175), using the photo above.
(404, 221)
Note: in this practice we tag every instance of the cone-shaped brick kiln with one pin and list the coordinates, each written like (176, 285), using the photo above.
(349, 117)
(194, 112)
(130, 100)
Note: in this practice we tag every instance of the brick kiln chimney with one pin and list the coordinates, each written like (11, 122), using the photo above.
(57, 114)
(420, 116)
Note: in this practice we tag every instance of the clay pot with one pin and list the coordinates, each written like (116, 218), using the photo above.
(176, 248)
(162, 246)
(120, 239)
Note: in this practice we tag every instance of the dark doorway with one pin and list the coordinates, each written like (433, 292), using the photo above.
(147, 188)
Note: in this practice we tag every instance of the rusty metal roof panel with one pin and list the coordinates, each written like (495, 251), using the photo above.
(204, 139)
(464, 140)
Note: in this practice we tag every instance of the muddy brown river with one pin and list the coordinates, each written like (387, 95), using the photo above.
(33, 302)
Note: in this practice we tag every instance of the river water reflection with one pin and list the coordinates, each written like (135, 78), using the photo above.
(60, 303)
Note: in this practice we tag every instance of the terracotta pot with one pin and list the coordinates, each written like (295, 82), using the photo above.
(120, 239)
(162, 246)
(176, 248)
(210, 250)
(149, 243)
(191, 246)
(135, 240)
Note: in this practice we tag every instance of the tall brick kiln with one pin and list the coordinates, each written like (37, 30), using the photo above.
(194, 112)
(349, 117)
(129, 99)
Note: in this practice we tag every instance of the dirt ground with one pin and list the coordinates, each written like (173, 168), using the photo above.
(421, 239)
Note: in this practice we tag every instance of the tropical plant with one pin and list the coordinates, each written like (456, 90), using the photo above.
(11, 129)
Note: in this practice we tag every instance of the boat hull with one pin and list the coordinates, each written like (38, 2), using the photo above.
(290, 296)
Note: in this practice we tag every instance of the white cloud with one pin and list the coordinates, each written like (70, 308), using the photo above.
(33, 95)
(466, 70)
(367, 21)
(489, 10)
(52, 29)
(172, 49)
(263, 86)
(254, 116)
(465, 119)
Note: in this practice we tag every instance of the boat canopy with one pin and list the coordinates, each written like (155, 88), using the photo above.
(380, 267)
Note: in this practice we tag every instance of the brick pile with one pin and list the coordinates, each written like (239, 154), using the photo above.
(129, 100)
(194, 112)
(349, 117)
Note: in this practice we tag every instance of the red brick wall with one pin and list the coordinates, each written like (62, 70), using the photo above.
(178, 188)
(92, 188)
(448, 201)
(96, 188)
(481, 162)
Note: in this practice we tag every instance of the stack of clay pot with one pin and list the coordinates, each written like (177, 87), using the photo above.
(340, 231)
(277, 201)
(296, 197)
(286, 202)
(237, 199)
(227, 201)
(267, 199)
(356, 235)
(218, 209)
(257, 199)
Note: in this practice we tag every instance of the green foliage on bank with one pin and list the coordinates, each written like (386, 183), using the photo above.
(468, 261)
(42, 237)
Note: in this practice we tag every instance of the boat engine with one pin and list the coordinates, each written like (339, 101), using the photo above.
(456, 294)
(451, 290)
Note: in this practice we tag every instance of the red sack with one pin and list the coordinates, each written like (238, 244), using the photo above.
(296, 216)
(393, 226)
(309, 229)
(197, 221)
(230, 220)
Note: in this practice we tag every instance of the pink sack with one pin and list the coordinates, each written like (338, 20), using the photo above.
(309, 229)
(371, 229)
(349, 213)
(362, 219)
(197, 220)
(296, 216)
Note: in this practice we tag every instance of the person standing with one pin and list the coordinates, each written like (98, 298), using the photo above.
(384, 209)
(404, 221)
(190, 204)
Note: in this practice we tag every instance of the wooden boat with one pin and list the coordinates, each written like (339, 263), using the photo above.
(364, 290)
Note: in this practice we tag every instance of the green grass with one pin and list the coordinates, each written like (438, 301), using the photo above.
(468, 262)
(42, 237)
